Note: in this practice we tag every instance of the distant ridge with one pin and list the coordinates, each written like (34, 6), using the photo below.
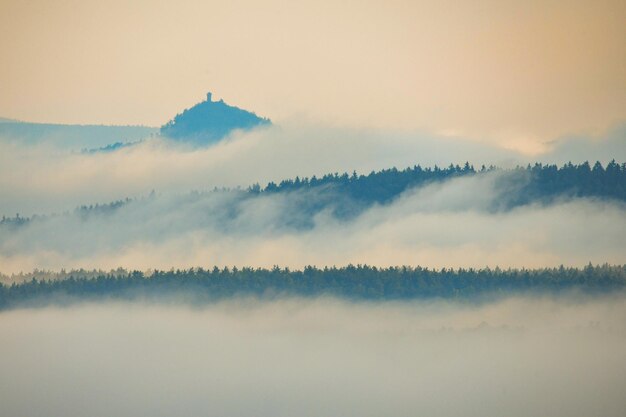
(209, 121)
(74, 137)
(203, 124)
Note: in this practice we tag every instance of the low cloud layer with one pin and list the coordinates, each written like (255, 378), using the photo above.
(457, 223)
(516, 357)
(44, 178)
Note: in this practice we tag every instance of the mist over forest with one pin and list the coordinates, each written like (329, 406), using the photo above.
(535, 216)
(312, 208)
(404, 267)
(520, 356)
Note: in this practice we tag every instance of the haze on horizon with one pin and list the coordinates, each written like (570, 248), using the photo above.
(519, 74)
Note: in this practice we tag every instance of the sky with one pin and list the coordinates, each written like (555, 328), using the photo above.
(518, 74)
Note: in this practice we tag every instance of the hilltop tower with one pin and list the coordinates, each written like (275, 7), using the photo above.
(209, 121)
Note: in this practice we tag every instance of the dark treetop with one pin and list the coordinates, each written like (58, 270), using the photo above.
(359, 282)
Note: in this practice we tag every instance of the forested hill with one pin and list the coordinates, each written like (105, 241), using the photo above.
(520, 185)
(348, 195)
(352, 282)
(209, 121)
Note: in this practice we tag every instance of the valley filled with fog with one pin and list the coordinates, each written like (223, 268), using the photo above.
(112, 300)
(312, 209)
(519, 356)
(163, 211)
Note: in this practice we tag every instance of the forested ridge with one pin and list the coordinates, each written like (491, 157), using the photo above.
(358, 282)
(349, 194)
(530, 183)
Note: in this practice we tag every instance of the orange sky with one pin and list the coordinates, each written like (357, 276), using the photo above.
(518, 73)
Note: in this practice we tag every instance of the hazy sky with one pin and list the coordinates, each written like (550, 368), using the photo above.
(519, 73)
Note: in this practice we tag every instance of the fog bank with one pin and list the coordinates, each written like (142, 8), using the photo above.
(450, 224)
(44, 178)
(517, 357)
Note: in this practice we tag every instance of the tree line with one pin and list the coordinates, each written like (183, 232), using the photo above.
(529, 183)
(352, 282)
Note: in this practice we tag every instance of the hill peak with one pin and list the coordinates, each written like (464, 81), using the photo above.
(209, 121)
